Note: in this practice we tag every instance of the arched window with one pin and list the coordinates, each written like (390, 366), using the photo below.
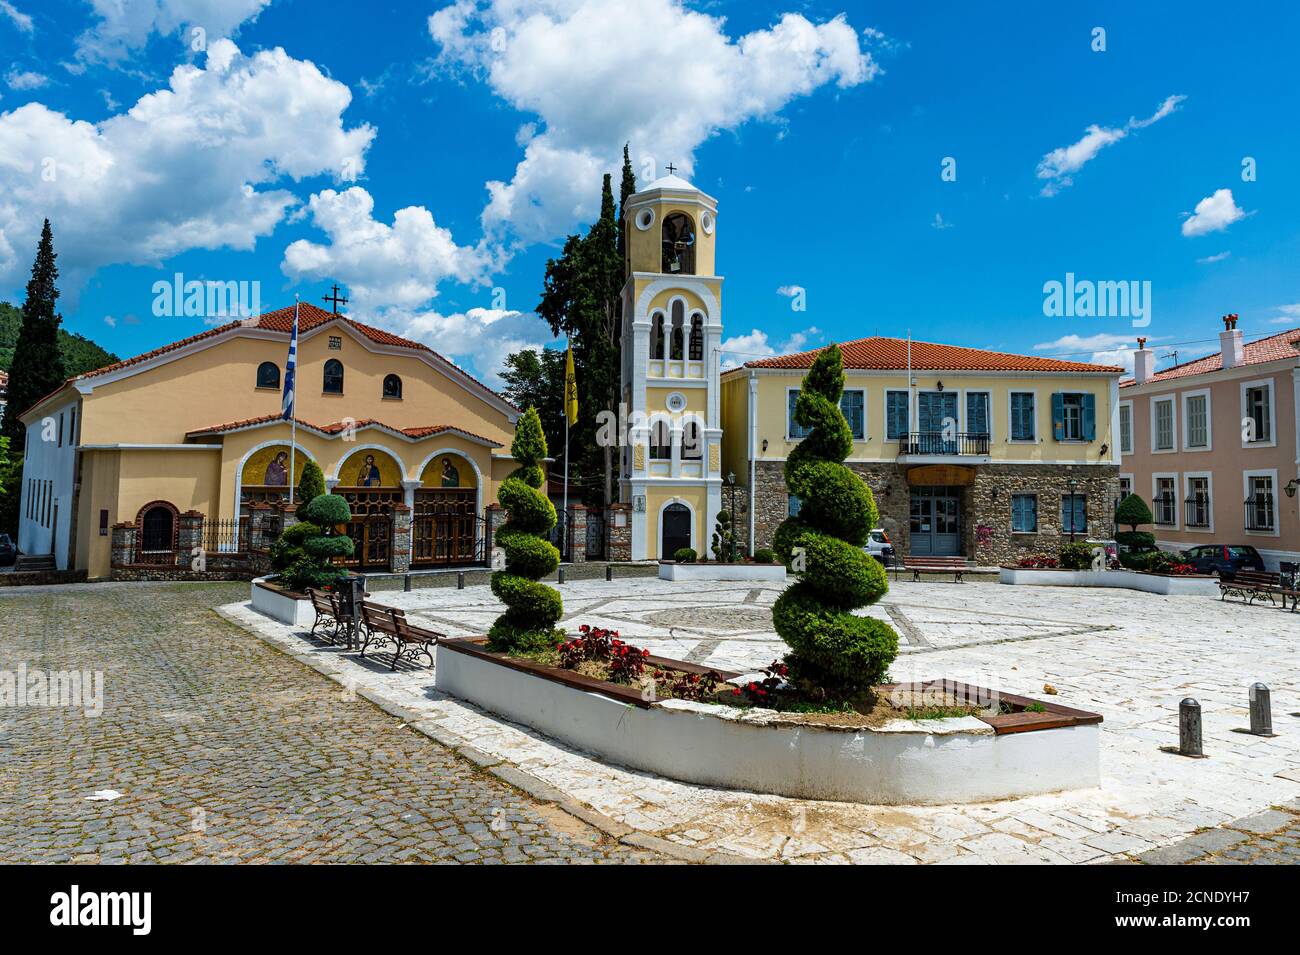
(661, 440)
(156, 527)
(392, 386)
(679, 244)
(697, 337)
(268, 375)
(333, 377)
(657, 335)
(678, 334)
(692, 445)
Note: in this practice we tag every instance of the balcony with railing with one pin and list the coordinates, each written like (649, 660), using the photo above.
(959, 444)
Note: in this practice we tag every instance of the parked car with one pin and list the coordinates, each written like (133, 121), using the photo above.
(1223, 559)
(8, 552)
(879, 547)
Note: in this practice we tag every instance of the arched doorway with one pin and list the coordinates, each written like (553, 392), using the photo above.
(370, 480)
(674, 530)
(156, 534)
(446, 526)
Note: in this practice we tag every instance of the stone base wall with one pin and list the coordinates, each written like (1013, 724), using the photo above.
(618, 532)
(985, 505)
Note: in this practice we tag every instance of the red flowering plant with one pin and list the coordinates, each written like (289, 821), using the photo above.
(690, 686)
(626, 663)
(761, 692)
(1038, 560)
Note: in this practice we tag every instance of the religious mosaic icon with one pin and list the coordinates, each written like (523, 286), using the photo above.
(277, 473)
(368, 476)
(450, 475)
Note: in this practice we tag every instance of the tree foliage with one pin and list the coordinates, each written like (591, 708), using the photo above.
(38, 364)
(1133, 511)
(312, 483)
(534, 378)
(80, 354)
(833, 652)
(532, 608)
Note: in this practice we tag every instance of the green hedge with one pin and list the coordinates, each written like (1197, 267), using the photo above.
(684, 555)
(1076, 556)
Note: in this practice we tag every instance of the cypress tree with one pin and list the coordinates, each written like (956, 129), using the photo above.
(38, 365)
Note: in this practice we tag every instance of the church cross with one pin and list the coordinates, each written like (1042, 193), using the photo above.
(671, 169)
(335, 298)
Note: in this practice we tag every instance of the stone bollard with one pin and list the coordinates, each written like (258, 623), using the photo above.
(1261, 710)
(1189, 728)
(561, 580)
(406, 583)
(609, 571)
(460, 580)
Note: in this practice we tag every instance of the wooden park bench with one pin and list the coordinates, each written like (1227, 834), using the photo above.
(388, 625)
(1251, 585)
(326, 605)
(947, 565)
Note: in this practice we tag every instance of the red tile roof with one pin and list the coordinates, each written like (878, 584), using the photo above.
(1277, 347)
(281, 320)
(891, 354)
(423, 431)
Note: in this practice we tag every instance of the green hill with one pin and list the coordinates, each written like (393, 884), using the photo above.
(80, 354)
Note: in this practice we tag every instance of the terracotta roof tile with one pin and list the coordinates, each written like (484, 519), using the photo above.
(891, 354)
(1277, 347)
(336, 427)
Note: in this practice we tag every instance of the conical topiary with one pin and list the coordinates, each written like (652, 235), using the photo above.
(532, 607)
(312, 483)
(833, 652)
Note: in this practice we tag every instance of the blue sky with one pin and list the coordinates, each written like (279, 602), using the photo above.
(356, 142)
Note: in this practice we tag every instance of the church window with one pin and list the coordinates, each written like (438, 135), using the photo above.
(392, 386)
(661, 441)
(657, 336)
(333, 377)
(679, 244)
(697, 337)
(268, 375)
(678, 332)
(692, 446)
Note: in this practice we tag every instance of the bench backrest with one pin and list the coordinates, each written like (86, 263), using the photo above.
(379, 617)
(1260, 578)
(322, 601)
(935, 561)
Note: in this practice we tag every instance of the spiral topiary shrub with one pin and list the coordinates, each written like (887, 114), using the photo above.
(313, 544)
(833, 653)
(528, 625)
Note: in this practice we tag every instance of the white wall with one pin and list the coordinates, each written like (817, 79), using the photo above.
(49, 473)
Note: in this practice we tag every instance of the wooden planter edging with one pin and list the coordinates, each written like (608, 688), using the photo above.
(1054, 717)
(476, 647)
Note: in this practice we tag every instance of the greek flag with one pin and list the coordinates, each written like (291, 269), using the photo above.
(290, 371)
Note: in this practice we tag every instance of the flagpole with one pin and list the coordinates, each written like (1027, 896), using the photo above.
(567, 543)
(293, 408)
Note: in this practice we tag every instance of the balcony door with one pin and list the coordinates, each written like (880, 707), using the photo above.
(935, 409)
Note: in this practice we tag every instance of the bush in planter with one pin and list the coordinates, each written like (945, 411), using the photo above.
(1136, 561)
(764, 556)
(321, 543)
(287, 548)
(1133, 511)
(724, 538)
(833, 652)
(1076, 555)
(528, 625)
(1135, 540)
(684, 555)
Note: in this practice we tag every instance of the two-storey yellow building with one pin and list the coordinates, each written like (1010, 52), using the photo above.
(974, 453)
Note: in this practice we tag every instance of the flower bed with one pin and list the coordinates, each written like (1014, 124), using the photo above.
(1152, 583)
(1024, 747)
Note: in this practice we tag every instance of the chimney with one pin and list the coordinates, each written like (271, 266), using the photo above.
(1234, 350)
(1144, 362)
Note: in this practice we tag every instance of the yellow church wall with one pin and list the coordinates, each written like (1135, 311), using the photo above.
(217, 385)
(99, 475)
(646, 247)
(772, 405)
(734, 398)
(656, 400)
(695, 497)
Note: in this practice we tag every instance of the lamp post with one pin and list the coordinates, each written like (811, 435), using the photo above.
(1073, 485)
(731, 505)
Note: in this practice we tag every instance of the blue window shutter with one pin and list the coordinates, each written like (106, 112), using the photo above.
(792, 429)
(1032, 508)
(1090, 417)
(1058, 416)
(851, 407)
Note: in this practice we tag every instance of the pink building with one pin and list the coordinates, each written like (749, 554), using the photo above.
(1213, 445)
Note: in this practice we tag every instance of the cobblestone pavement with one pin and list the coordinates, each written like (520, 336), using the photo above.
(1271, 837)
(1129, 656)
(225, 750)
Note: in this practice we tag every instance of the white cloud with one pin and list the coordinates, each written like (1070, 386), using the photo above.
(1290, 315)
(599, 73)
(478, 339)
(1059, 166)
(742, 348)
(789, 291)
(21, 20)
(110, 321)
(125, 27)
(1214, 213)
(398, 265)
(1211, 259)
(1103, 348)
(25, 80)
(197, 165)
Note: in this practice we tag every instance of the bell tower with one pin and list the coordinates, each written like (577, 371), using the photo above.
(670, 470)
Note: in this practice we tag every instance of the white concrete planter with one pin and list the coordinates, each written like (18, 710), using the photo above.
(904, 762)
(278, 605)
(1124, 579)
(714, 571)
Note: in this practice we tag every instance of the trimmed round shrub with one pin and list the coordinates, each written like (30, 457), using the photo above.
(532, 608)
(327, 511)
(1136, 540)
(833, 652)
(287, 548)
(1133, 511)
(764, 556)
(1076, 556)
(684, 555)
(1137, 561)
(317, 544)
(312, 483)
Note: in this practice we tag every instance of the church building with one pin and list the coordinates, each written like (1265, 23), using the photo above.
(134, 465)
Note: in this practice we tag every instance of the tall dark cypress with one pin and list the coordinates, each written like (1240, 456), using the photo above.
(626, 188)
(37, 366)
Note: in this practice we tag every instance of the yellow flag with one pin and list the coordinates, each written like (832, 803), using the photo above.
(570, 389)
